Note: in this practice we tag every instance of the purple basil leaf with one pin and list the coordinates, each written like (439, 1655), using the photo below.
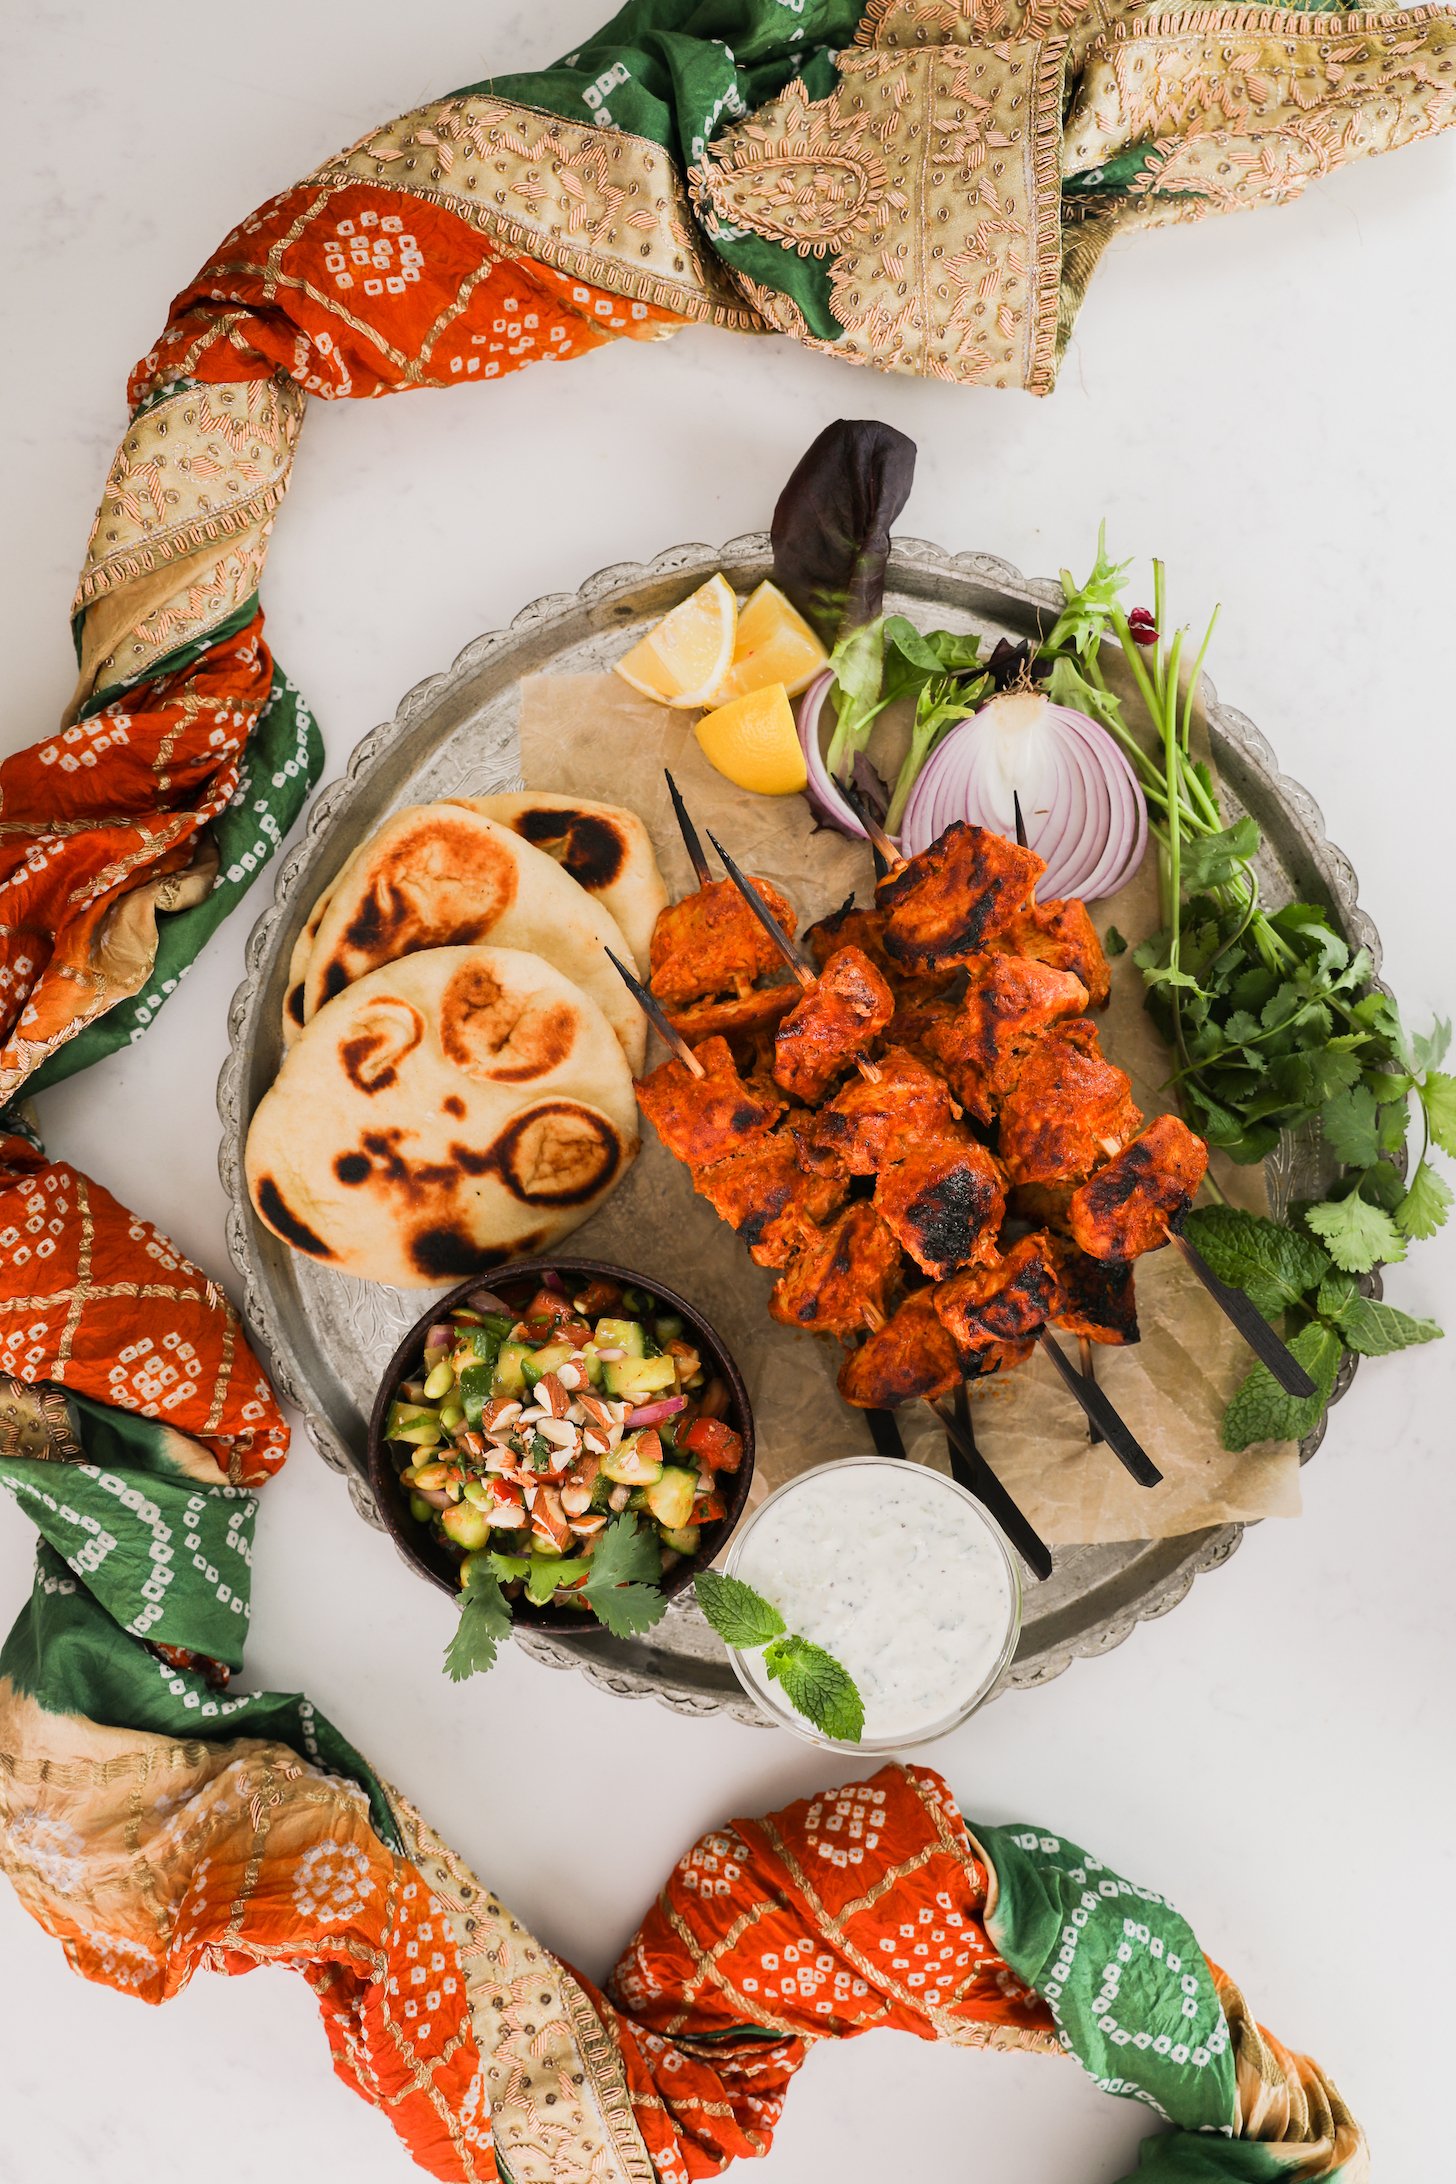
(871, 796)
(831, 528)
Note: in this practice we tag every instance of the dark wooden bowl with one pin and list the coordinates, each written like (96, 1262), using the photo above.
(516, 1283)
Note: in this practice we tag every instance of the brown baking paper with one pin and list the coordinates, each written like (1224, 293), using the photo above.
(590, 735)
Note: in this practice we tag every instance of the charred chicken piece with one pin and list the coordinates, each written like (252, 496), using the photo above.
(1009, 1302)
(711, 943)
(866, 1126)
(836, 1019)
(1069, 1109)
(1095, 1297)
(957, 898)
(1129, 1205)
(841, 1279)
(849, 927)
(1062, 935)
(910, 1356)
(703, 1119)
(944, 1200)
(739, 1016)
(979, 1045)
(763, 1193)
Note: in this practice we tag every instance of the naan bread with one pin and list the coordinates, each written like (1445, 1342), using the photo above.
(298, 963)
(443, 1113)
(443, 876)
(605, 848)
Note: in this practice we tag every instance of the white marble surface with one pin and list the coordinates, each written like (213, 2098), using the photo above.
(1265, 401)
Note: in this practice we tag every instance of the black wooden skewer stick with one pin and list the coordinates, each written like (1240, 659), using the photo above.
(696, 855)
(1089, 1372)
(1020, 819)
(886, 853)
(653, 1010)
(1129, 1452)
(1244, 1314)
(800, 964)
(970, 1469)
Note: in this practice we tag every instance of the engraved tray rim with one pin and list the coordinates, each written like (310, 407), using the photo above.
(1208, 1550)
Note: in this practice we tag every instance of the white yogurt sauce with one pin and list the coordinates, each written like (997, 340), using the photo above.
(893, 1570)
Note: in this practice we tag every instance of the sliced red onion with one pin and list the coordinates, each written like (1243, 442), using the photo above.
(442, 1336)
(825, 799)
(1084, 812)
(486, 1300)
(652, 1414)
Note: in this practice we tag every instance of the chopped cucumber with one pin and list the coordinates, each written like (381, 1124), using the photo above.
(538, 1363)
(682, 1539)
(670, 1496)
(668, 1327)
(465, 1525)
(638, 1300)
(601, 1498)
(412, 1422)
(634, 1379)
(477, 1386)
(592, 1364)
(620, 1334)
(510, 1377)
(628, 1466)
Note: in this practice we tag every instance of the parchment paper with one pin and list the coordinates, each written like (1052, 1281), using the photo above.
(589, 735)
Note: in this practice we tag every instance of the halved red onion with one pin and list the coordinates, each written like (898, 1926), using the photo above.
(825, 799)
(1080, 799)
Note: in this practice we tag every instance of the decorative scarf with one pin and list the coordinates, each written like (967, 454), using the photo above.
(923, 185)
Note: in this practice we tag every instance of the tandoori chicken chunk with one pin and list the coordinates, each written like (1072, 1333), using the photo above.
(850, 927)
(979, 1044)
(773, 1203)
(1095, 1297)
(1069, 1109)
(1129, 1205)
(836, 1019)
(711, 943)
(1008, 1302)
(866, 1126)
(1062, 935)
(841, 1280)
(733, 1015)
(957, 898)
(944, 1198)
(909, 1357)
(703, 1119)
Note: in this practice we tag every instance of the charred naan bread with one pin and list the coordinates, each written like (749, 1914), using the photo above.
(606, 850)
(444, 876)
(298, 963)
(459, 1107)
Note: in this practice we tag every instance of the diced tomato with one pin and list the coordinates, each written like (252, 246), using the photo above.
(716, 1446)
(598, 1297)
(549, 1315)
(710, 1511)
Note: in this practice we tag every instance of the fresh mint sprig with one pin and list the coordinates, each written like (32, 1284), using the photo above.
(814, 1683)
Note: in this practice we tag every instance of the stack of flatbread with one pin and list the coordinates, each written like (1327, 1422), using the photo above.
(457, 1083)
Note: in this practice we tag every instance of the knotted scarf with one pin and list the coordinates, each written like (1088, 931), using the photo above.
(923, 185)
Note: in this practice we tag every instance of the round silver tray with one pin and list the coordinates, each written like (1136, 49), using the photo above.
(326, 1336)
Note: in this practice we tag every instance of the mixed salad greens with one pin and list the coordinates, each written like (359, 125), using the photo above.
(1274, 1021)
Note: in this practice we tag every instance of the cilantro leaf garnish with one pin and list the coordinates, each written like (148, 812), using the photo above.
(740, 1616)
(1424, 1206)
(621, 1589)
(1358, 1236)
(485, 1621)
(818, 1687)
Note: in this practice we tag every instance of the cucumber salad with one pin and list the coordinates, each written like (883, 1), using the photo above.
(523, 1437)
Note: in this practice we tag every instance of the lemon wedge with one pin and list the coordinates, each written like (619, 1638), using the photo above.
(774, 644)
(753, 742)
(685, 656)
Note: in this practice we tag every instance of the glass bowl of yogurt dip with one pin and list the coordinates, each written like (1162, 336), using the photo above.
(901, 1575)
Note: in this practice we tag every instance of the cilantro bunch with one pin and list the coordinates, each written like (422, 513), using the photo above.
(619, 1589)
(814, 1683)
(1273, 1022)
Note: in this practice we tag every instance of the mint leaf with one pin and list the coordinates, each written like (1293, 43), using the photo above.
(1438, 1097)
(1212, 860)
(1350, 1127)
(1425, 1205)
(740, 1616)
(1274, 1264)
(624, 1555)
(1376, 1329)
(818, 1687)
(485, 1621)
(1358, 1236)
(1261, 1411)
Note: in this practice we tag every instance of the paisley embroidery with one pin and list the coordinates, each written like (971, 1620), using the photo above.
(808, 175)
